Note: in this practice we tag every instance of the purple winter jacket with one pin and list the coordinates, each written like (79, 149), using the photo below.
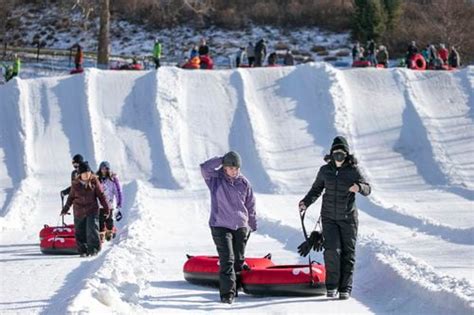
(232, 199)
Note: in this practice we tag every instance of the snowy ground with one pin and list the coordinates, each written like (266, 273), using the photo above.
(413, 133)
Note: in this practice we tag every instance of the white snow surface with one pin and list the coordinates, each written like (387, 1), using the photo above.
(412, 132)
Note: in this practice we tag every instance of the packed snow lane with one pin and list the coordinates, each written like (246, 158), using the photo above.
(156, 127)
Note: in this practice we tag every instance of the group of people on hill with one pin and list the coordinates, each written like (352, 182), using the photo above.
(11, 71)
(435, 58)
(376, 56)
(257, 54)
(233, 216)
(92, 223)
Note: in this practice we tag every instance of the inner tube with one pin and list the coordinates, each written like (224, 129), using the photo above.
(204, 270)
(418, 62)
(75, 71)
(361, 64)
(285, 280)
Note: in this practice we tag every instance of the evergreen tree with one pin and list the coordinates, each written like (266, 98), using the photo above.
(369, 20)
(393, 9)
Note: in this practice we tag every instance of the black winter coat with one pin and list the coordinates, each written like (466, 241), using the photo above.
(338, 201)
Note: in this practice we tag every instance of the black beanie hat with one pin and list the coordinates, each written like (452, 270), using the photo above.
(84, 167)
(77, 158)
(231, 159)
(340, 143)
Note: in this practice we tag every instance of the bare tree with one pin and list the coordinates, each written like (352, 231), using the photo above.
(6, 7)
(103, 51)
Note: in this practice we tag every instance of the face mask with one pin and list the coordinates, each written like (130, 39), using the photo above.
(339, 156)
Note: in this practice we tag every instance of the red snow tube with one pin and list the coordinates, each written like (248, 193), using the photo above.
(78, 70)
(206, 62)
(285, 280)
(361, 64)
(205, 269)
(58, 240)
(418, 62)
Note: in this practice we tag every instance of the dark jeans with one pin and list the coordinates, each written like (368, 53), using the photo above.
(105, 222)
(339, 252)
(157, 62)
(87, 233)
(230, 246)
(251, 61)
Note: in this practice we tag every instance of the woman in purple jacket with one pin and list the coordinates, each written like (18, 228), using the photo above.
(112, 191)
(232, 217)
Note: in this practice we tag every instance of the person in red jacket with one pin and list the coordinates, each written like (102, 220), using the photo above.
(85, 190)
(79, 57)
(443, 53)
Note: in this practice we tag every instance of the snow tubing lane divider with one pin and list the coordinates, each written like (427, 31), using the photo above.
(418, 62)
(58, 240)
(204, 270)
(285, 280)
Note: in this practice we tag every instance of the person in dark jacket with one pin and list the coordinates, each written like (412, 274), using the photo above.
(85, 190)
(250, 50)
(203, 48)
(260, 52)
(412, 50)
(79, 57)
(454, 59)
(371, 53)
(232, 217)
(76, 160)
(289, 60)
(340, 180)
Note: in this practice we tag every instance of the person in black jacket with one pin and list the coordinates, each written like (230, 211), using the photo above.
(340, 179)
(76, 160)
(203, 48)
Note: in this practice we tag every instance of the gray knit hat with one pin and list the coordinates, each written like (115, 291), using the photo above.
(232, 158)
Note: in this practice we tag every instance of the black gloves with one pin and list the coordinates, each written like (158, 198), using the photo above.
(304, 248)
(315, 241)
(118, 216)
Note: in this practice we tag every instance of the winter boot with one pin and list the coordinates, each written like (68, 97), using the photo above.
(108, 235)
(344, 295)
(227, 298)
(102, 236)
(331, 293)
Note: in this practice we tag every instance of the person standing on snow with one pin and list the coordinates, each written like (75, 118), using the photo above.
(232, 217)
(79, 57)
(85, 190)
(382, 56)
(443, 53)
(411, 52)
(289, 60)
(157, 53)
(454, 59)
(340, 179)
(203, 48)
(112, 191)
(250, 54)
(371, 53)
(260, 52)
(76, 160)
(16, 67)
